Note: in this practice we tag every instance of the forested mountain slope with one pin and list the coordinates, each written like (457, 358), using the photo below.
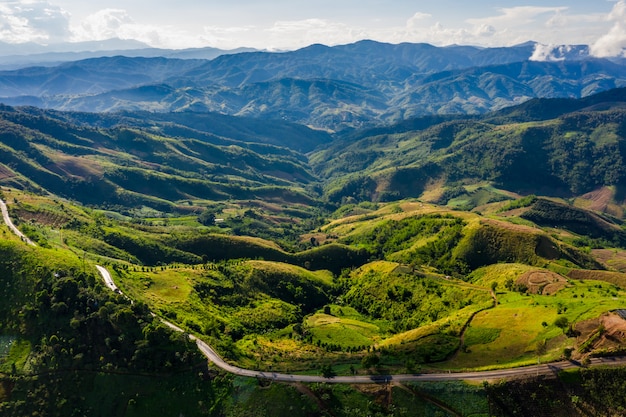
(131, 167)
(548, 147)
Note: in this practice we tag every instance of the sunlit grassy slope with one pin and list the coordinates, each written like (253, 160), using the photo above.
(415, 284)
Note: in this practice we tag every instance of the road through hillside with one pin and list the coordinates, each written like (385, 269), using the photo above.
(535, 370)
(209, 352)
(7, 220)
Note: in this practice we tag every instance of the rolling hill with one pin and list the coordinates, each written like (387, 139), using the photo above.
(131, 167)
(548, 147)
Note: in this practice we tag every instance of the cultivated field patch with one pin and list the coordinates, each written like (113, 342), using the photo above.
(541, 282)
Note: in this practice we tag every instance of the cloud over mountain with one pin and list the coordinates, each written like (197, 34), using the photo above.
(33, 21)
(614, 42)
(266, 25)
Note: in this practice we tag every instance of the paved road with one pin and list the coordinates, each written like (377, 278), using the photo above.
(535, 370)
(107, 279)
(7, 220)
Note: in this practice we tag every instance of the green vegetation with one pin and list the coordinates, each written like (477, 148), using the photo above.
(572, 153)
(585, 391)
(250, 252)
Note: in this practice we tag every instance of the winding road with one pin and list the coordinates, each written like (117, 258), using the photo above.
(535, 370)
(211, 355)
(15, 230)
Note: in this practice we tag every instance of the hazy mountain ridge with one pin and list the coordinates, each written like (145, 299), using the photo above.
(91, 76)
(347, 86)
(16, 56)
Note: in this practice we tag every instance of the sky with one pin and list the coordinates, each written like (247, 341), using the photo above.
(291, 24)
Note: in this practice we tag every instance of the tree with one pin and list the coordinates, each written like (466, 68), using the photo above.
(327, 371)
(370, 360)
(207, 218)
(561, 322)
(567, 353)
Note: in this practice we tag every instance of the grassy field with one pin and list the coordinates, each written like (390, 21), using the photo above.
(343, 331)
(521, 329)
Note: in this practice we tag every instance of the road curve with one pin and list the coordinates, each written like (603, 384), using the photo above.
(107, 279)
(15, 230)
(498, 374)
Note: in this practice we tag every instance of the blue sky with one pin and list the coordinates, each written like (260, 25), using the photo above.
(290, 24)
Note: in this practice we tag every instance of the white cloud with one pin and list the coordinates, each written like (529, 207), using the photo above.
(33, 21)
(227, 37)
(549, 53)
(517, 16)
(613, 43)
(117, 23)
(104, 24)
(416, 20)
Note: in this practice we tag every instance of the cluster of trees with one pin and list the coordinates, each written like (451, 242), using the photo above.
(395, 235)
(74, 323)
(406, 301)
(590, 226)
(394, 240)
(589, 391)
(259, 299)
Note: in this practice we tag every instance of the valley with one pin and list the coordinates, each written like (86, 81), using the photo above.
(484, 246)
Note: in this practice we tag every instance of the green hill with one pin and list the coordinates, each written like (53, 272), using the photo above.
(129, 167)
(568, 155)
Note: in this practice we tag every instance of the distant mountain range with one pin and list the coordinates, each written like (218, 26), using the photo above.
(343, 87)
(16, 56)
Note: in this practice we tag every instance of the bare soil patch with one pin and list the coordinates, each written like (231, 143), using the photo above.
(5, 172)
(542, 282)
(601, 200)
(43, 217)
(612, 258)
(316, 239)
(615, 327)
(597, 200)
(616, 278)
(612, 336)
(79, 166)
